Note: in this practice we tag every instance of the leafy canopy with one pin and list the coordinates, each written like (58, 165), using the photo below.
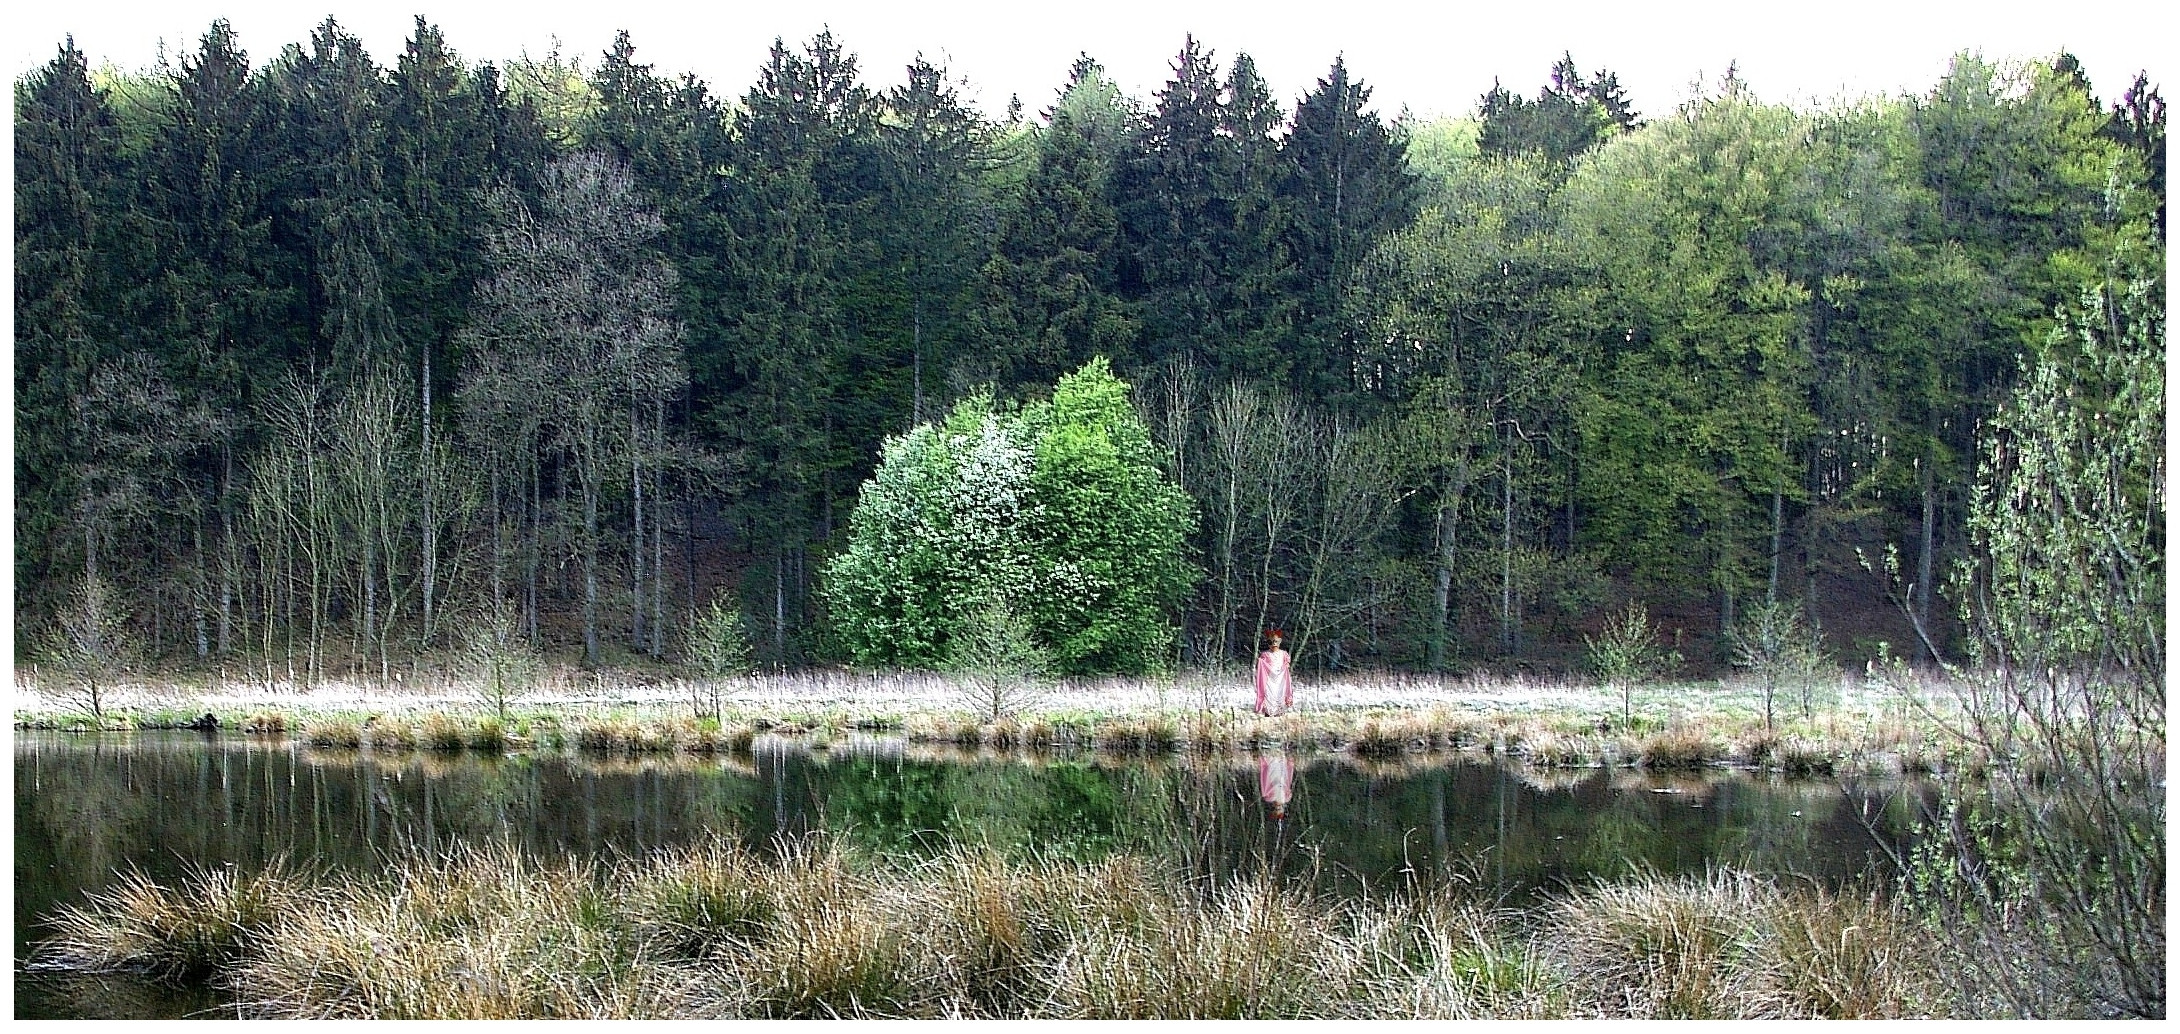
(1057, 512)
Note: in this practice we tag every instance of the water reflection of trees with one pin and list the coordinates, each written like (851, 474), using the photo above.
(85, 809)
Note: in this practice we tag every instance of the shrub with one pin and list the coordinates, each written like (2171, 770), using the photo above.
(1773, 645)
(1061, 504)
(716, 647)
(333, 734)
(1628, 651)
(499, 656)
(1678, 747)
(441, 732)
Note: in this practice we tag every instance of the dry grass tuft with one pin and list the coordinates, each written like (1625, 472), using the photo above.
(1680, 746)
(334, 734)
(1658, 948)
(441, 732)
(388, 734)
(718, 930)
(196, 930)
(1144, 734)
(1844, 958)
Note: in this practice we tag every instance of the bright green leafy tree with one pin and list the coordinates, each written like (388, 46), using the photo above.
(1058, 511)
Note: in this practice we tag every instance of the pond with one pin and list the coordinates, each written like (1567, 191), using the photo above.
(87, 807)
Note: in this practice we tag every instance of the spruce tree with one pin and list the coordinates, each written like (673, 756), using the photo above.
(1346, 187)
(1047, 298)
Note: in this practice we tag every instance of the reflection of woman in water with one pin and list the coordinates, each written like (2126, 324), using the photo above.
(1275, 680)
(1275, 782)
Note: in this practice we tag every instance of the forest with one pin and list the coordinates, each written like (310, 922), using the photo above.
(319, 362)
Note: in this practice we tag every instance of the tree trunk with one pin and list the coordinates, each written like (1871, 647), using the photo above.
(590, 572)
(428, 462)
(1926, 561)
(1447, 552)
(658, 533)
(197, 595)
(531, 562)
(779, 606)
(499, 521)
(229, 561)
(1778, 539)
(1506, 551)
(636, 614)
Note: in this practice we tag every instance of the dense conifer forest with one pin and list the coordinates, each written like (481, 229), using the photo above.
(319, 358)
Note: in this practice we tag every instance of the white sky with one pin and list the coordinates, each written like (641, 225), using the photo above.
(1434, 58)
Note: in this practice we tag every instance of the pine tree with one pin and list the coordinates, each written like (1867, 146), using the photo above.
(1347, 187)
(799, 147)
(1567, 118)
(68, 181)
(1177, 215)
(1046, 295)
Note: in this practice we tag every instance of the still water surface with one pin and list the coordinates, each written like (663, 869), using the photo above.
(87, 807)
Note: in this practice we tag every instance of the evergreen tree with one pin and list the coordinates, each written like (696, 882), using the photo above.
(1346, 187)
(1567, 118)
(330, 137)
(2138, 122)
(67, 182)
(935, 224)
(1047, 301)
(1177, 209)
(799, 145)
(1256, 289)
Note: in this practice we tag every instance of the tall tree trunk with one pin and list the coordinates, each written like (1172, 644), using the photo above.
(1226, 563)
(1447, 552)
(1778, 543)
(637, 615)
(229, 560)
(429, 462)
(779, 605)
(536, 507)
(1506, 550)
(658, 532)
(499, 523)
(1926, 560)
(198, 590)
(370, 594)
(590, 571)
(1778, 530)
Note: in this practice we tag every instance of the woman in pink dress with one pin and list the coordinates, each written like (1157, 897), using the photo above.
(1275, 680)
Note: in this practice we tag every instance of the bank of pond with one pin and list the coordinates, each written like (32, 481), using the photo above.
(1903, 742)
(190, 873)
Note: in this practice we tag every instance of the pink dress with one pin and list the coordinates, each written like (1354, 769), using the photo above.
(1275, 684)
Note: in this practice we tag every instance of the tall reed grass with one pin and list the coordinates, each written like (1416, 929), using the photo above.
(811, 929)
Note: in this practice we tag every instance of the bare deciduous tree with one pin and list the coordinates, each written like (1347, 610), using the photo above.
(91, 645)
(575, 325)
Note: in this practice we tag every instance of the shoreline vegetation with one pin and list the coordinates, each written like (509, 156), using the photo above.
(1544, 724)
(716, 930)
(815, 927)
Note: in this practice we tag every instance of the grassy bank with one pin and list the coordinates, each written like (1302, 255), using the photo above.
(1540, 725)
(716, 931)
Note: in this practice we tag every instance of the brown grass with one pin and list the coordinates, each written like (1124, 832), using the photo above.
(1679, 746)
(717, 930)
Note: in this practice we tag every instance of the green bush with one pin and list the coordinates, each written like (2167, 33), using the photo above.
(1058, 510)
